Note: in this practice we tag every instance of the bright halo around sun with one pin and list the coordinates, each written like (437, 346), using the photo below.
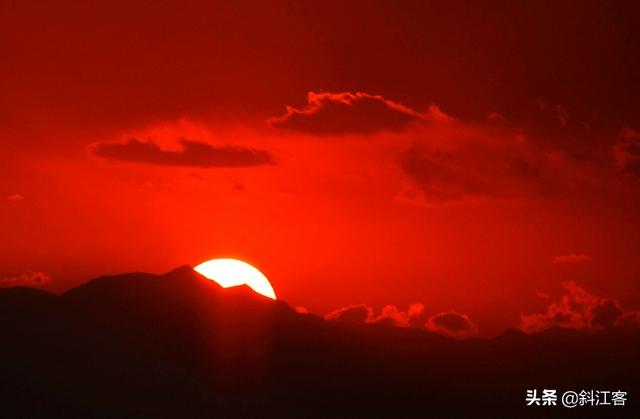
(232, 272)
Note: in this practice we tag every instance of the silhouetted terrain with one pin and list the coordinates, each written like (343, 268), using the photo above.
(178, 345)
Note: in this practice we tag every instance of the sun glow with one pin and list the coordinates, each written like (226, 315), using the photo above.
(232, 272)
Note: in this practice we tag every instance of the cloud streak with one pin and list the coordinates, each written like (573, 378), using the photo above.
(192, 154)
(357, 313)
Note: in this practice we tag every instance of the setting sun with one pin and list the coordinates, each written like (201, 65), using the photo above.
(232, 272)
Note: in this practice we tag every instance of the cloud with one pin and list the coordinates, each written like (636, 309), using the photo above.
(391, 315)
(477, 166)
(558, 112)
(626, 152)
(450, 160)
(192, 154)
(629, 319)
(353, 113)
(572, 258)
(359, 313)
(27, 279)
(497, 117)
(452, 324)
(578, 309)
(463, 161)
(605, 313)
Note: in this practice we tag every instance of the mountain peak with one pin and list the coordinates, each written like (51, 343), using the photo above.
(181, 270)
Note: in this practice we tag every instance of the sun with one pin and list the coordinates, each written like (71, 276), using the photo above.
(233, 272)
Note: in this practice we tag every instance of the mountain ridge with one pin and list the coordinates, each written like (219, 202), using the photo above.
(179, 345)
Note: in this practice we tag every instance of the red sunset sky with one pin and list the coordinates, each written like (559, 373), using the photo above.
(467, 157)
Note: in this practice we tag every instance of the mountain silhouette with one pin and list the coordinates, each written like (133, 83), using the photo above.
(179, 346)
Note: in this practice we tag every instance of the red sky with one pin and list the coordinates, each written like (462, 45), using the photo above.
(466, 157)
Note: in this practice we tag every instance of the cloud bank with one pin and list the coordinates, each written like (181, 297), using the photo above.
(578, 309)
(450, 323)
(447, 160)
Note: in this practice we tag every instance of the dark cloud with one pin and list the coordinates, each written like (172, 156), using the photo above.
(578, 309)
(27, 279)
(193, 154)
(480, 167)
(572, 258)
(451, 160)
(452, 324)
(352, 113)
(500, 159)
(359, 313)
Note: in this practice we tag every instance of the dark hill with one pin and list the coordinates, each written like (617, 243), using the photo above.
(177, 345)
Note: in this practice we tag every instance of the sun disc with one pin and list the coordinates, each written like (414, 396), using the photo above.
(233, 272)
